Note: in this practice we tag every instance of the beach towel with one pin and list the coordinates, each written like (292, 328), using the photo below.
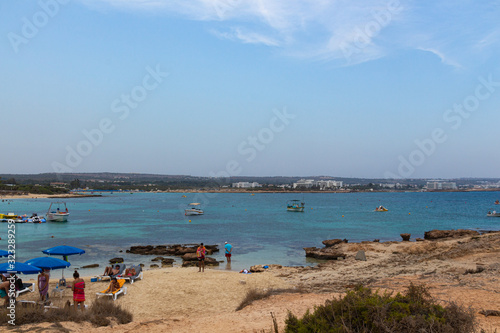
(43, 285)
(120, 282)
(79, 292)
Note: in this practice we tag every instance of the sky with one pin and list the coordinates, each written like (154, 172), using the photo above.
(369, 89)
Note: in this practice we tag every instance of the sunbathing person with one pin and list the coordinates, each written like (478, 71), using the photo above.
(4, 291)
(110, 270)
(113, 286)
(130, 271)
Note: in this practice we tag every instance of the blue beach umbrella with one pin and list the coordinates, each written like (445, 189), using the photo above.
(63, 250)
(4, 253)
(48, 262)
(19, 267)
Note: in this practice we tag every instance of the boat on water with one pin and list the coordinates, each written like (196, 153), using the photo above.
(381, 209)
(193, 209)
(34, 218)
(493, 214)
(295, 206)
(58, 215)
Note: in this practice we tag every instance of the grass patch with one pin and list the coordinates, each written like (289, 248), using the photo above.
(363, 310)
(255, 295)
(100, 313)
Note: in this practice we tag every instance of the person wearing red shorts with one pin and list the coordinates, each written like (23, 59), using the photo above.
(228, 247)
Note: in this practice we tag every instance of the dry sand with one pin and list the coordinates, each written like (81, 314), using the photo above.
(183, 300)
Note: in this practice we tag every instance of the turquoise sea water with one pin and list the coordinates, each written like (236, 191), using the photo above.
(259, 227)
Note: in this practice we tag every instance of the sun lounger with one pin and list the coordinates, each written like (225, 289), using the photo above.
(138, 275)
(26, 287)
(106, 277)
(114, 295)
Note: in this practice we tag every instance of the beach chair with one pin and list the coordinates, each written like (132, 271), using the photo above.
(26, 287)
(114, 295)
(138, 275)
(106, 277)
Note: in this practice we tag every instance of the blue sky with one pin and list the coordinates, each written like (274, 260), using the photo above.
(390, 89)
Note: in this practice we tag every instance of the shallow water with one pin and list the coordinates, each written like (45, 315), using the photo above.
(259, 227)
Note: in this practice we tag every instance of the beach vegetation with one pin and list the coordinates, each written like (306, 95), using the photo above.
(102, 312)
(253, 295)
(364, 310)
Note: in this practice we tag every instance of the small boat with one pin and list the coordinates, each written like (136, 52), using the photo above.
(9, 216)
(295, 206)
(193, 210)
(493, 214)
(381, 209)
(58, 215)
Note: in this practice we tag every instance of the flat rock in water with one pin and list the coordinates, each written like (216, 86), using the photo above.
(116, 261)
(91, 266)
(360, 255)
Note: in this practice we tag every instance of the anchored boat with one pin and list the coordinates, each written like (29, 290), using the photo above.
(193, 210)
(58, 215)
(295, 206)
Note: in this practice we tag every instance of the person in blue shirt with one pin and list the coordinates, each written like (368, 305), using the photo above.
(228, 248)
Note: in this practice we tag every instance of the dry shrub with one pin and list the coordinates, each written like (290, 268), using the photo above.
(363, 310)
(255, 295)
(99, 314)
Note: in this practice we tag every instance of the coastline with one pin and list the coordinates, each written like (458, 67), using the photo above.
(462, 270)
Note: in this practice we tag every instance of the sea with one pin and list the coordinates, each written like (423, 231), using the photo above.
(257, 225)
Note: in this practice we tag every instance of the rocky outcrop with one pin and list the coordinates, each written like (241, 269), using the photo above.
(406, 237)
(439, 234)
(328, 253)
(190, 259)
(332, 242)
(116, 260)
(91, 266)
(172, 250)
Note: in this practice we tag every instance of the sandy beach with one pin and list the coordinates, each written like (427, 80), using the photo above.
(184, 300)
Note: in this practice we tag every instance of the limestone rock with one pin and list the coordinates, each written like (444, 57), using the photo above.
(331, 242)
(360, 255)
(406, 237)
(116, 260)
(438, 234)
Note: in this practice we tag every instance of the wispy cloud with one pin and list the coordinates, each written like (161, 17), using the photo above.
(347, 32)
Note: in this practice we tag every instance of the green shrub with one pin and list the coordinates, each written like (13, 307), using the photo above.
(363, 310)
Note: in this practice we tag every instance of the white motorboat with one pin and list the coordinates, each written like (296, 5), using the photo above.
(58, 215)
(493, 214)
(193, 210)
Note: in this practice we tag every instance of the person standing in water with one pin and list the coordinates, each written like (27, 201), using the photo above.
(228, 247)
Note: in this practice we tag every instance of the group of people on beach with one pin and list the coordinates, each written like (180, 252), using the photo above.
(201, 252)
(78, 285)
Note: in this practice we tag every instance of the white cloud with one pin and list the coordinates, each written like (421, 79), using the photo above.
(345, 31)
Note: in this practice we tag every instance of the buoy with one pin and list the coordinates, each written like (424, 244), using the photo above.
(189, 221)
(51, 236)
(89, 210)
(342, 215)
(311, 208)
(409, 213)
(245, 209)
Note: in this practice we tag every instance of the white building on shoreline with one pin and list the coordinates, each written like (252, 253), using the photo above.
(322, 184)
(246, 185)
(436, 185)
